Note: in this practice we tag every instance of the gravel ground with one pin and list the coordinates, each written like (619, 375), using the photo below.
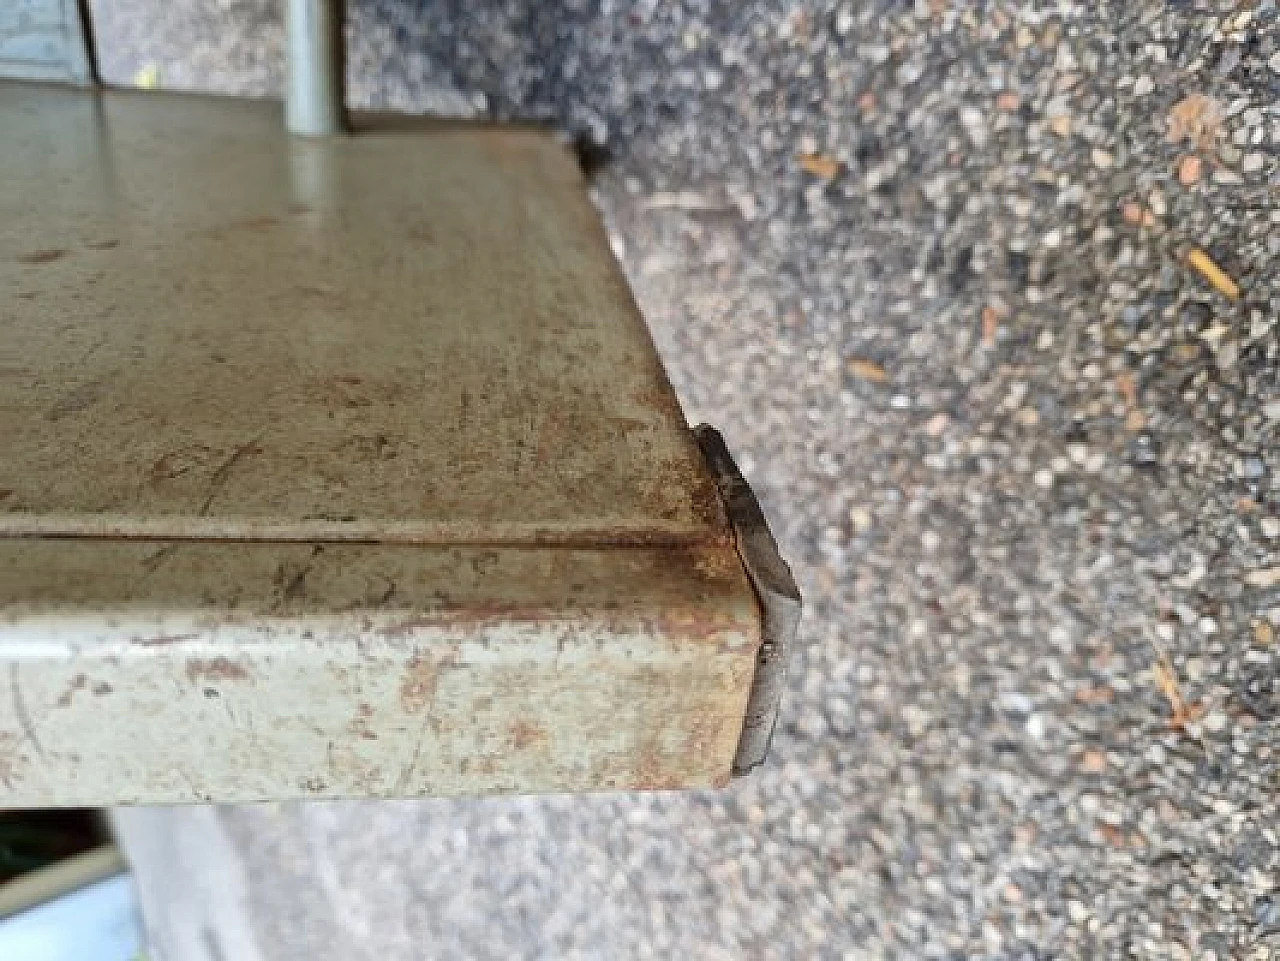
(927, 266)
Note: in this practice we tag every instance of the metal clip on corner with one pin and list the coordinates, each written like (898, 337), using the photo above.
(775, 589)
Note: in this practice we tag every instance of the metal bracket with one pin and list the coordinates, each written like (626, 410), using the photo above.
(775, 588)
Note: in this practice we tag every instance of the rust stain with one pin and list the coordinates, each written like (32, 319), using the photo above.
(706, 733)
(41, 256)
(78, 683)
(652, 771)
(525, 735)
(558, 427)
(422, 674)
(708, 507)
(670, 474)
(716, 564)
(408, 627)
(417, 692)
(626, 426)
(349, 771)
(215, 669)
(359, 724)
(660, 400)
(688, 623)
(472, 614)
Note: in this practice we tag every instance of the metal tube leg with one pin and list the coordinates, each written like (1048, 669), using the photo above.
(314, 68)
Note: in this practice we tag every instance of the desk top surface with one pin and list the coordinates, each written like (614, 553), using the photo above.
(416, 335)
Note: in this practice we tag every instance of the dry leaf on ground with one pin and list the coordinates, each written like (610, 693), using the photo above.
(1127, 385)
(990, 326)
(820, 165)
(1113, 835)
(1093, 761)
(1167, 682)
(865, 369)
(1196, 118)
(1060, 124)
(1189, 169)
(1217, 277)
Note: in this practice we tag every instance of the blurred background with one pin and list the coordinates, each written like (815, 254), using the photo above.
(984, 295)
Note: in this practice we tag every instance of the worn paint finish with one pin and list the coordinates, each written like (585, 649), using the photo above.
(194, 671)
(213, 330)
(339, 468)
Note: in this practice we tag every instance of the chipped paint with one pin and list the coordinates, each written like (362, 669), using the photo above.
(41, 256)
(525, 735)
(348, 695)
(421, 675)
(78, 683)
(215, 669)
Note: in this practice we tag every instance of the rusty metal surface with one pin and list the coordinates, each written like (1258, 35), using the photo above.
(189, 671)
(44, 40)
(339, 468)
(211, 330)
(776, 589)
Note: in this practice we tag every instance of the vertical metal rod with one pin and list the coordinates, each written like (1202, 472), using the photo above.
(314, 67)
(93, 76)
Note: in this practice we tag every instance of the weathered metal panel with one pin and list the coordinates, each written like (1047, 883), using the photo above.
(212, 330)
(188, 672)
(340, 468)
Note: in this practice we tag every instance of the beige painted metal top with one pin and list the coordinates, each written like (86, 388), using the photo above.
(226, 357)
(210, 330)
